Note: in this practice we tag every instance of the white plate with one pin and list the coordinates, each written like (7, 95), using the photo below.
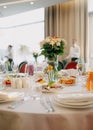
(85, 103)
(71, 106)
(52, 90)
(75, 97)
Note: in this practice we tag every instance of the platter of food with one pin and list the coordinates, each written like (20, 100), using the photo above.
(67, 81)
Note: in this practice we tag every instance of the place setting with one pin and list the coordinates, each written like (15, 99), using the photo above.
(74, 100)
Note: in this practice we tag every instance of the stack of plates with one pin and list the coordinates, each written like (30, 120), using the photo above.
(74, 100)
(10, 96)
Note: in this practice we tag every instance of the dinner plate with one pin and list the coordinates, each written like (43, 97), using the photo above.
(71, 106)
(52, 90)
(83, 103)
(74, 100)
(40, 86)
(75, 97)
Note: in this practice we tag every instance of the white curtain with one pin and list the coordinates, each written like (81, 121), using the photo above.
(68, 20)
(90, 39)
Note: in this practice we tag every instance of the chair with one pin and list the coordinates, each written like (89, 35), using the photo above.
(8, 66)
(22, 67)
(61, 64)
(71, 65)
(30, 69)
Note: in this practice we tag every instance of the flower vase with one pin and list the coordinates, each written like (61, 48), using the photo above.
(36, 64)
(51, 76)
(36, 60)
(52, 68)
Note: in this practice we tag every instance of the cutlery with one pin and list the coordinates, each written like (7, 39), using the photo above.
(44, 105)
(17, 103)
(48, 101)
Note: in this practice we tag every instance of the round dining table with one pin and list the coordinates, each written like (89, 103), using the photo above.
(32, 114)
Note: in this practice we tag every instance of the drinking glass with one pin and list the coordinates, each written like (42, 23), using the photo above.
(89, 83)
(15, 68)
(1, 82)
(35, 89)
(81, 67)
(2, 68)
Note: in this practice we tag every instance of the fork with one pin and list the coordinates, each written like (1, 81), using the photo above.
(43, 103)
(48, 101)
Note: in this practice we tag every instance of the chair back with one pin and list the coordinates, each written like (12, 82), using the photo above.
(22, 67)
(71, 65)
(30, 69)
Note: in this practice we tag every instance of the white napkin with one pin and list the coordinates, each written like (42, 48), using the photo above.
(69, 72)
(13, 82)
(16, 83)
(25, 82)
(11, 96)
(75, 97)
(72, 72)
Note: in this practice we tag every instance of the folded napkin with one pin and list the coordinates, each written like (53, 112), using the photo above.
(20, 82)
(75, 97)
(10, 96)
(25, 82)
(70, 72)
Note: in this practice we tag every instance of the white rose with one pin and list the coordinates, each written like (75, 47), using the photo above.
(52, 43)
(58, 43)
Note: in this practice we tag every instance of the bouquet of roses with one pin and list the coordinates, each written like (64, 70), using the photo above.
(52, 47)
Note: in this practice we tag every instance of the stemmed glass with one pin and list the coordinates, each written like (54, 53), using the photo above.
(2, 69)
(80, 67)
(15, 68)
(35, 55)
(36, 91)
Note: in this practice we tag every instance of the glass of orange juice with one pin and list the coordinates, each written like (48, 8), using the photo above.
(89, 84)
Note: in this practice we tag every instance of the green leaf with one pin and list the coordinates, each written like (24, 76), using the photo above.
(51, 83)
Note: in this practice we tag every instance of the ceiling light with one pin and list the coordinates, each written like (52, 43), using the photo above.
(16, 2)
(31, 2)
(4, 6)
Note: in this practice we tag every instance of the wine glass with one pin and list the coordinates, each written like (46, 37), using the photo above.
(35, 89)
(80, 66)
(2, 68)
(15, 68)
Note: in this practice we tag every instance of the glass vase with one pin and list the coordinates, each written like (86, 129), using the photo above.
(35, 65)
(52, 73)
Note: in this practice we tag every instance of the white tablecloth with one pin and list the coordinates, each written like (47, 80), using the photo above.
(31, 115)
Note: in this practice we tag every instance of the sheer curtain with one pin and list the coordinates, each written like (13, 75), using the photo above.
(91, 38)
(68, 20)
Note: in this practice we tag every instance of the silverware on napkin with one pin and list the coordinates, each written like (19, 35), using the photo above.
(46, 103)
(42, 102)
(49, 103)
(17, 103)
